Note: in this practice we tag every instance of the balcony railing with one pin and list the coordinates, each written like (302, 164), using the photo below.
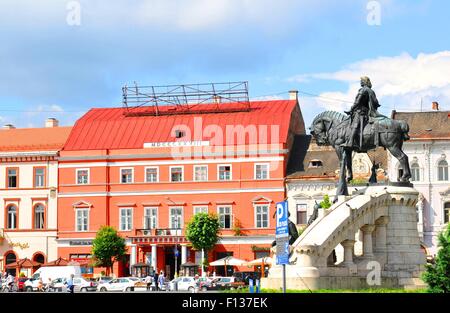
(159, 232)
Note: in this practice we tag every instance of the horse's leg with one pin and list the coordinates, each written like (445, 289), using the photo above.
(348, 161)
(397, 152)
(342, 185)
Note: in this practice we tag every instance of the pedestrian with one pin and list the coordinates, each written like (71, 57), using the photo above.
(148, 281)
(69, 283)
(155, 280)
(10, 281)
(161, 280)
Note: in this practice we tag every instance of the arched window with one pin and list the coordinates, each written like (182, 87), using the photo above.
(10, 258)
(443, 170)
(415, 172)
(446, 212)
(39, 215)
(39, 258)
(12, 217)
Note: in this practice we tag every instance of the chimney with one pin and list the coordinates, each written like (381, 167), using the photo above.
(293, 95)
(51, 122)
(435, 106)
(9, 126)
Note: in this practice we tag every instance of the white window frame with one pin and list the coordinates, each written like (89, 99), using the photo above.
(157, 174)
(43, 215)
(43, 177)
(207, 173)
(419, 168)
(132, 174)
(438, 168)
(259, 164)
(195, 207)
(231, 215)
(76, 219)
(255, 205)
(170, 217)
(218, 172)
(182, 173)
(88, 176)
(304, 208)
(120, 219)
(156, 217)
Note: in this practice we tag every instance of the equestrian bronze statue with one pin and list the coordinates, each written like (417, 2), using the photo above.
(362, 130)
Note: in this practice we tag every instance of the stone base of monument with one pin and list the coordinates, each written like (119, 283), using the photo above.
(384, 220)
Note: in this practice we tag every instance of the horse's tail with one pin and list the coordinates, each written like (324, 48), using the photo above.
(405, 129)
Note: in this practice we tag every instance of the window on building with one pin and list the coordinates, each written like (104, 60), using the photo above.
(151, 174)
(415, 172)
(224, 172)
(261, 171)
(13, 177)
(39, 177)
(176, 174)
(446, 212)
(301, 214)
(82, 222)
(39, 215)
(262, 216)
(150, 218)
(126, 219)
(82, 176)
(225, 216)
(315, 163)
(200, 209)
(443, 170)
(201, 173)
(176, 218)
(12, 217)
(126, 175)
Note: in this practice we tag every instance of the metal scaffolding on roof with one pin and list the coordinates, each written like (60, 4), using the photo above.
(185, 99)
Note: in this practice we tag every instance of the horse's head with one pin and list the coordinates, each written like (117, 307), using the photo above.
(319, 132)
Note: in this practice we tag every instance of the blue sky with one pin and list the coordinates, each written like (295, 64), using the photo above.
(49, 68)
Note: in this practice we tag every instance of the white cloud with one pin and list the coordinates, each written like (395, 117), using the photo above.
(400, 82)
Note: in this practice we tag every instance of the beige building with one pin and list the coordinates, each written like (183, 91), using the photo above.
(28, 192)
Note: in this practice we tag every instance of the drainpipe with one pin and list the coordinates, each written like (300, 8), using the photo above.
(108, 187)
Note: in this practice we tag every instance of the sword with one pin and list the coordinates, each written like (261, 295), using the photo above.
(361, 118)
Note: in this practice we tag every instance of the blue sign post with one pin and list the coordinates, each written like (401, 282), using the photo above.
(282, 237)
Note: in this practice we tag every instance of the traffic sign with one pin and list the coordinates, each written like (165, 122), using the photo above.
(282, 228)
(282, 233)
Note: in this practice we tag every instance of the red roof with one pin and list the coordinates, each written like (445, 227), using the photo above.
(33, 139)
(109, 128)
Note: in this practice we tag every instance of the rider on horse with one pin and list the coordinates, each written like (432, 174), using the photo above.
(365, 106)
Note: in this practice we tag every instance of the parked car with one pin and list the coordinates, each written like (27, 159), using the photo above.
(102, 279)
(119, 284)
(83, 285)
(186, 283)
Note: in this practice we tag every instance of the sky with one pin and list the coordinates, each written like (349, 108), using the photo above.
(60, 58)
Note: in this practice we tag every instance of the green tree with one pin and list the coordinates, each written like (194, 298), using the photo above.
(108, 247)
(326, 203)
(203, 232)
(437, 275)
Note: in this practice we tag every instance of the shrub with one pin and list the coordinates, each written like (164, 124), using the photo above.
(437, 275)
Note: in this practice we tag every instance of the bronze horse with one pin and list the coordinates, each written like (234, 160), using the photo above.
(331, 128)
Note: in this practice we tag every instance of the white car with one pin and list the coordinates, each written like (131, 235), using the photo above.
(119, 284)
(187, 283)
(79, 283)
